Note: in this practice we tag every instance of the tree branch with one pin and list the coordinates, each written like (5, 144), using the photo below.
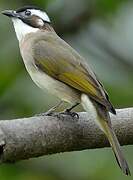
(36, 136)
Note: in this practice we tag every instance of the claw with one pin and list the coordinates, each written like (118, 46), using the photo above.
(72, 114)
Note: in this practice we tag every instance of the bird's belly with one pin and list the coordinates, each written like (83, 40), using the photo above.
(53, 86)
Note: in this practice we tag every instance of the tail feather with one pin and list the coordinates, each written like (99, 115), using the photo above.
(116, 147)
(103, 120)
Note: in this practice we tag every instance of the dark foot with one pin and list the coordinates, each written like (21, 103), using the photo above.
(70, 113)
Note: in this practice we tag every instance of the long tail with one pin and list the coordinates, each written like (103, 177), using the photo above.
(103, 120)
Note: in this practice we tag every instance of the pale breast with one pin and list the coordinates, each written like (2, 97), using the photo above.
(44, 81)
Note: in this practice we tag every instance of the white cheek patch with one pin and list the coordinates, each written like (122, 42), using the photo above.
(22, 29)
(40, 22)
(41, 14)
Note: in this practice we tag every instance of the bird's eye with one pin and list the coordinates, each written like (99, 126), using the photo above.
(27, 13)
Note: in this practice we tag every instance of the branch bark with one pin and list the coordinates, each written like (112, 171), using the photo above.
(36, 136)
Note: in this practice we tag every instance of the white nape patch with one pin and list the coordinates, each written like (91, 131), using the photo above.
(39, 13)
(90, 108)
(22, 29)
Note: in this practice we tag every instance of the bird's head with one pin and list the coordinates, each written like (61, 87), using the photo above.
(28, 19)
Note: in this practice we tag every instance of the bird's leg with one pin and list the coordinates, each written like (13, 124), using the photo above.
(72, 107)
(68, 111)
(51, 110)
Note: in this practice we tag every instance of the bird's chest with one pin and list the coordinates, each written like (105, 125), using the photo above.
(39, 77)
(47, 82)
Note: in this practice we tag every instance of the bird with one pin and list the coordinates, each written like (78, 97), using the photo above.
(55, 66)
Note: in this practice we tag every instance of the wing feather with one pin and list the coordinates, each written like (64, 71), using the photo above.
(56, 58)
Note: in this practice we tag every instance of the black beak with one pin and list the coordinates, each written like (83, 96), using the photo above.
(11, 13)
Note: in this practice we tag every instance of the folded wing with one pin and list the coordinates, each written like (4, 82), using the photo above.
(55, 57)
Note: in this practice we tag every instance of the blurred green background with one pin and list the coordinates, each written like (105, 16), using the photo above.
(102, 31)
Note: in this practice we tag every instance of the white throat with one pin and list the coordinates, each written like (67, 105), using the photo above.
(22, 29)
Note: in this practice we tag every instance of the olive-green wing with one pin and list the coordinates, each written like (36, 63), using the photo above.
(56, 58)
